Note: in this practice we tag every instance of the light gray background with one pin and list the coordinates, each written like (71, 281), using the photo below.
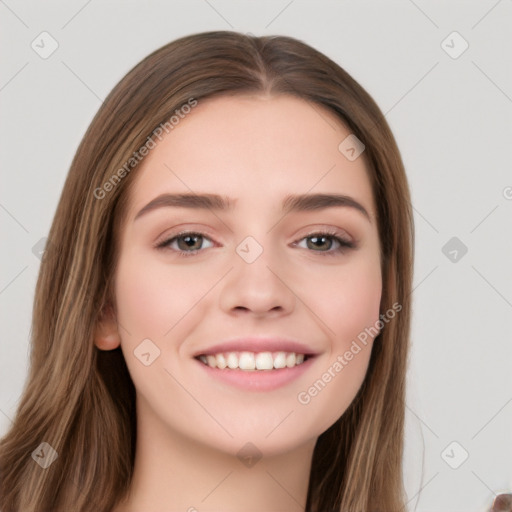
(452, 120)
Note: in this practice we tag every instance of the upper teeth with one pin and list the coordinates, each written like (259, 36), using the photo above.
(253, 361)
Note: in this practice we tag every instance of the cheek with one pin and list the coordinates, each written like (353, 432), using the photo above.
(139, 302)
(356, 306)
(349, 316)
(348, 300)
(151, 298)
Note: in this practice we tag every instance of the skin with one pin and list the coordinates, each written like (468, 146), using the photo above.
(257, 150)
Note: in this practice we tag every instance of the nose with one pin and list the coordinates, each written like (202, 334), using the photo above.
(260, 287)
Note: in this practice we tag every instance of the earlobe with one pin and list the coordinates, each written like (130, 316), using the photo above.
(106, 336)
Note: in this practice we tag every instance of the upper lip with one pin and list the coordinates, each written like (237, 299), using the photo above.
(257, 344)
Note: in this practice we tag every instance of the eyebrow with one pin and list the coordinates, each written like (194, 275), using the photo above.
(291, 203)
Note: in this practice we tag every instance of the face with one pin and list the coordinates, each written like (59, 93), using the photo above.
(251, 279)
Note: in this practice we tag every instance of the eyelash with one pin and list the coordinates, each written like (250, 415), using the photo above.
(344, 245)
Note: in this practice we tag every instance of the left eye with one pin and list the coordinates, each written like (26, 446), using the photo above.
(325, 241)
(191, 243)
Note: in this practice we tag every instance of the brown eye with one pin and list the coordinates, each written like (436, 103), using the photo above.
(324, 243)
(189, 242)
(328, 243)
(185, 244)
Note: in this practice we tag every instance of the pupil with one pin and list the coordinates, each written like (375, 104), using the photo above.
(190, 241)
(317, 240)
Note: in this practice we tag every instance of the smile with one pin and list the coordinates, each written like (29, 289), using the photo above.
(250, 361)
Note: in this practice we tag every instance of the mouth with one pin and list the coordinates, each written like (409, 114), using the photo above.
(255, 371)
(257, 363)
(253, 361)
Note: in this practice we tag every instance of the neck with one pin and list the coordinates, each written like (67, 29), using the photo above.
(175, 473)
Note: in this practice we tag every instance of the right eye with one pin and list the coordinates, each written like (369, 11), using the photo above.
(188, 243)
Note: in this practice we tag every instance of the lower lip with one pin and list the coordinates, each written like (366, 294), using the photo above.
(257, 380)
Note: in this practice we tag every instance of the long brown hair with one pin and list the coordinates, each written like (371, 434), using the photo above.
(81, 401)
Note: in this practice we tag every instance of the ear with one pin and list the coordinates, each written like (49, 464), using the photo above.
(106, 336)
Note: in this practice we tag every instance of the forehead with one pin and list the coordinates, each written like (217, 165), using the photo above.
(254, 149)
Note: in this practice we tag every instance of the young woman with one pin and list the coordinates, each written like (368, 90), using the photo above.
(222, 313)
